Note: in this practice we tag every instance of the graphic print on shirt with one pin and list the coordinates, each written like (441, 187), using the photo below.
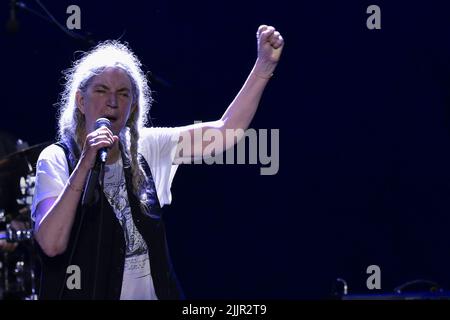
(137, 280)
(116, 193)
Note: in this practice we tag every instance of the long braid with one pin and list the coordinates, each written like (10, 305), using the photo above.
(137, 173)
(80, 133)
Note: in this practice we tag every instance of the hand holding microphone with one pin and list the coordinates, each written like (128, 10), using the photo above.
(95, 153)
(97, 144)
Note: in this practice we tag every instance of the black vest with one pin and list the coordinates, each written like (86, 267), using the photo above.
(82, 250)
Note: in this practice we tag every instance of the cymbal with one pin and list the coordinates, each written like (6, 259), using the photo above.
(17, 164)
(12, 167)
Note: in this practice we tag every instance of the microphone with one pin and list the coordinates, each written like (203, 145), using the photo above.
(103, 152)
(91, 194)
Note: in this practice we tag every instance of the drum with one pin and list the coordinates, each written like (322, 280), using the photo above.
(17, 264)
(18, 261)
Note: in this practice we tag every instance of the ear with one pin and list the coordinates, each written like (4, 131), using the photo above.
(80, 101)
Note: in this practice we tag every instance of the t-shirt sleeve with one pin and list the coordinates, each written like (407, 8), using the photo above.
(158, 146)
(52, 174)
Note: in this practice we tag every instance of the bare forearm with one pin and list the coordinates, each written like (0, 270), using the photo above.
(243, 108)
(54, 229)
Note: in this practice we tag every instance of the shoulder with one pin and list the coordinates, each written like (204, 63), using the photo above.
(160, 139)
(158, 144)
(52, 153)
(52, 156)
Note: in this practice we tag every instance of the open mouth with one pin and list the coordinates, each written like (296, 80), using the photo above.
(110, 118)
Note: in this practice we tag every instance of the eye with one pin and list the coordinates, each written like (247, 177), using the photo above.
(125, 95)
(100, 90)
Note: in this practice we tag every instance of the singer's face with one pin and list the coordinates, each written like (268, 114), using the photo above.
(109, 95)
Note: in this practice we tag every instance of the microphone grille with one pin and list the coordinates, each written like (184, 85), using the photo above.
(102, 122)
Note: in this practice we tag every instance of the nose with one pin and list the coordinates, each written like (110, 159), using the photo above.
(112, 100)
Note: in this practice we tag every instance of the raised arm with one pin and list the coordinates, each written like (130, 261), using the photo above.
(240, 112)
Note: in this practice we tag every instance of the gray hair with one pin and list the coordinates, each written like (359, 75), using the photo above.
(71, 122)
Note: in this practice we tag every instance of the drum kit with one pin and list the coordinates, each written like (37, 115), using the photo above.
(18, 260)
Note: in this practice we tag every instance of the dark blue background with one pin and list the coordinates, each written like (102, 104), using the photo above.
(364, 135)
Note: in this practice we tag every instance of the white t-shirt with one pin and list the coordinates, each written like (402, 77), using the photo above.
(158, 146)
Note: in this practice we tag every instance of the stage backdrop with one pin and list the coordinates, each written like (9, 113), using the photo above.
(363, 118)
